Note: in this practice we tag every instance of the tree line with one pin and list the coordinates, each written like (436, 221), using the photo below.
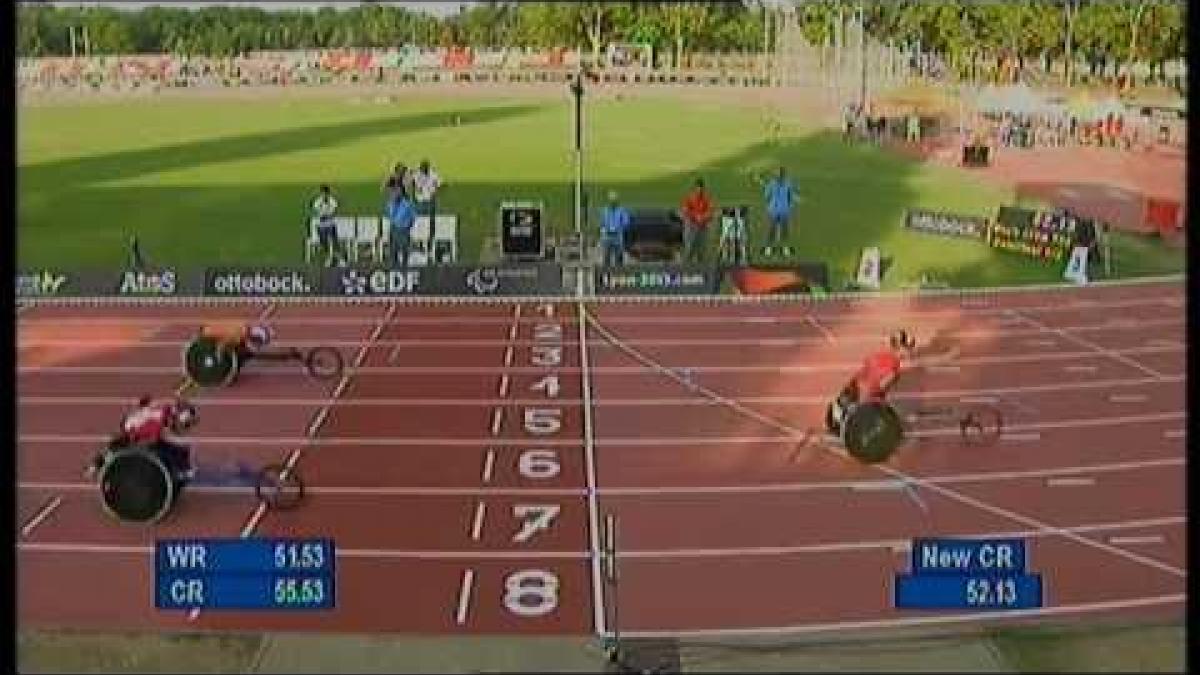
(1102, 33)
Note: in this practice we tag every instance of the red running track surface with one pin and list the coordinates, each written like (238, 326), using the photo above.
(458, 427)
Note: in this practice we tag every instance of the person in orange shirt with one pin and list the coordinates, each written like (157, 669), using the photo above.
(697, 213)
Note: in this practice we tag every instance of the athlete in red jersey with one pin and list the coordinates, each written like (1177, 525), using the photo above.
(154, 424)
(875, 377)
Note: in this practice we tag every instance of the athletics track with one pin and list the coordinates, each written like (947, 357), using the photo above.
(473, 447)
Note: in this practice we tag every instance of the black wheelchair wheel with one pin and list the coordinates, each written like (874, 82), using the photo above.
(136, 487)
(324, 363)
(871, 432)
(831, 424)
(980, 425)
(209, 363)
(279, 488)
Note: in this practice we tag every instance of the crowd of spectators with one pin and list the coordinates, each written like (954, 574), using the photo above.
(1055, 131)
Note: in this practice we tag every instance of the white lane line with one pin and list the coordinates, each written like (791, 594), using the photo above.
(1080, 481)
(1159, 342)
(497, 417)
(1175, 433)
(1021, 438)
(773, 368)
(947, 370)
(395, 353)
(1080, 368)
(464, 596)
(477, 520)
(638, 441)
(1146, 539)
(508, 356)
(665, 491)
(504, 385)
(653, 556)
(1127, 398)
(1040, 343)
(982, 395)
(977, 617)
(489, 464)
(41, 514)
(762, 319)
(599, 611)
(825, 332)
(671, 341)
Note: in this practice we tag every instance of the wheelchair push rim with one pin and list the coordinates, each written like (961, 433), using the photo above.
(980, 425)
(279, 487)
(323, 363)
(209, 363)
(118, 493)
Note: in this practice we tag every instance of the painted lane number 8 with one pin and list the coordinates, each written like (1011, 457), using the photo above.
(531, 592)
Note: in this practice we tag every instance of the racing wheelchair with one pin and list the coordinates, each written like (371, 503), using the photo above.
(137, 486)
(212, 363)
(871, 432)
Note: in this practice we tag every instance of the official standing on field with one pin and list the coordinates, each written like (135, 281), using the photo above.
(780, 196)
(324, 208)
(697, 212)
(614, 223)
(401, 215)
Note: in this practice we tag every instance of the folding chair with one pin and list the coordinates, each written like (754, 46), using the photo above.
(367, 236)
(312, 242)
(344, 227)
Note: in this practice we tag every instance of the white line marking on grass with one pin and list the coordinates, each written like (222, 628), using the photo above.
(1075, 481)
(41, 514)
(477, 521)
(489, 463)
(497, 417)
(464, 596)
(1146, 539)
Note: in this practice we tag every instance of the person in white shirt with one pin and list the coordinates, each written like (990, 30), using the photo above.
(324, 209)
(426, 184)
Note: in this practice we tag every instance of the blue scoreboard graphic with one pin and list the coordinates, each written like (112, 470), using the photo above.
(245, 574)
(974, 574)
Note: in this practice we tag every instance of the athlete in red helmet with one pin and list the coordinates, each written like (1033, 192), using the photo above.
(878, 373)
(155, 425)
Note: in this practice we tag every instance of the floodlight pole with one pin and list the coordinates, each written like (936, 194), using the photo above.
(577, 92)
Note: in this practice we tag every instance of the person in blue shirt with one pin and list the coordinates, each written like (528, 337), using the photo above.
(614, 221)
(402, 215)
(781, 196)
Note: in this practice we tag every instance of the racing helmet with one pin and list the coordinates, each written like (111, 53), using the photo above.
(259, 336)
(901, 338)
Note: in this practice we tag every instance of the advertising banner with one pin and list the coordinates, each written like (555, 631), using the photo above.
(779, 279)
(249, 282)
(657, 280)
(445, 280)
(946, 224)
(161, 282)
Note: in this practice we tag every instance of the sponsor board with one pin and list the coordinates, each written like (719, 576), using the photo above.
(657, 280)
(44, 284)
(166, 282)
(444, 280)
(259, 281)
(802, 277)
(946, 224)
(869, 274)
